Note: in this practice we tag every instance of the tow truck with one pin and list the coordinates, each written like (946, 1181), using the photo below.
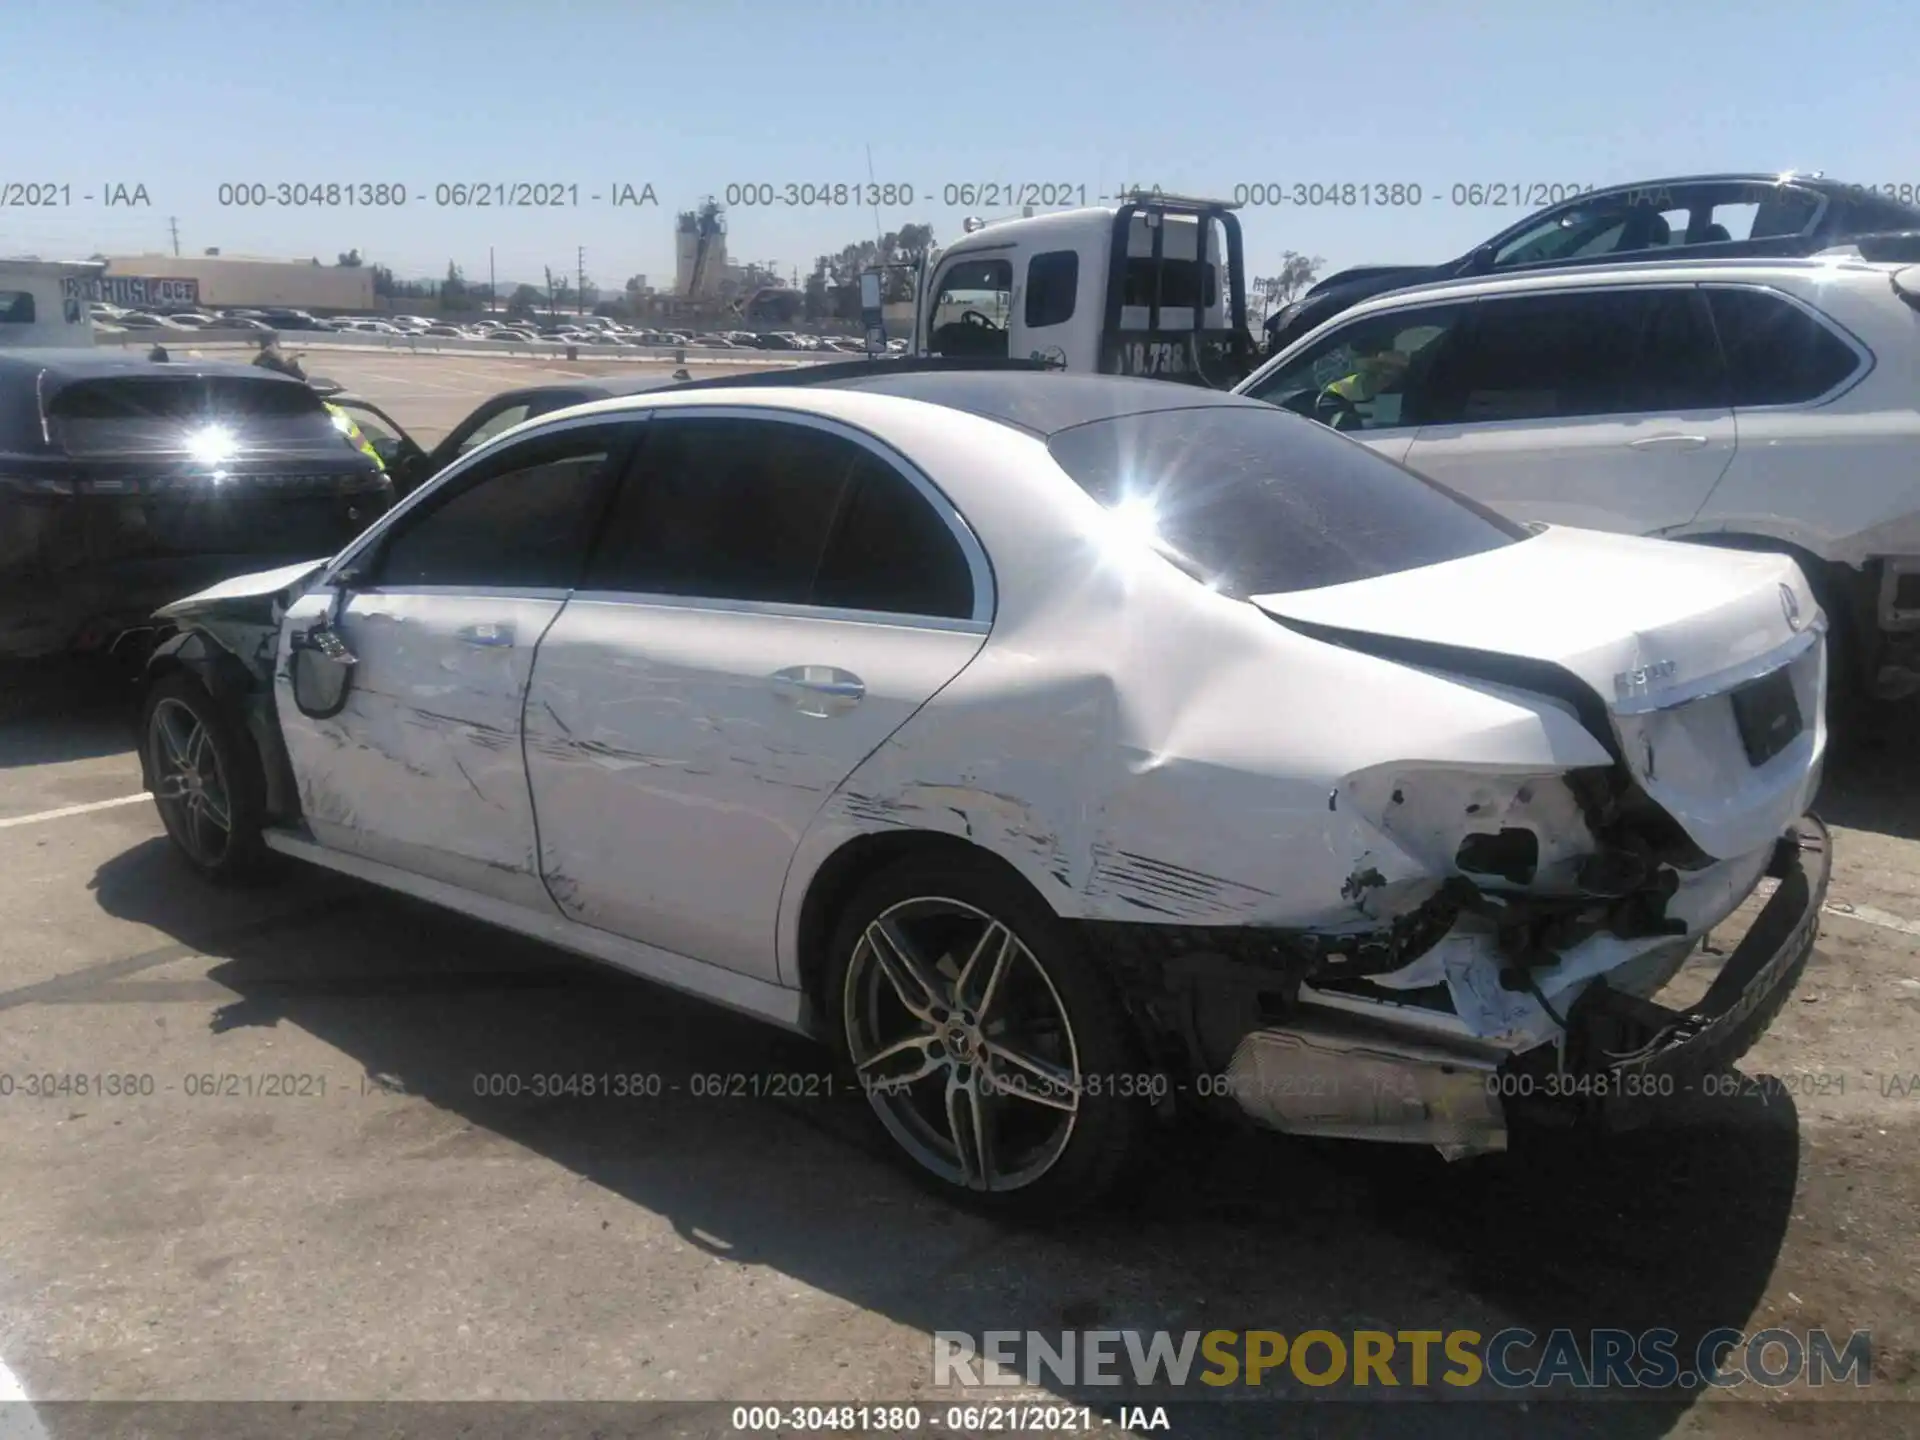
(1153, 286)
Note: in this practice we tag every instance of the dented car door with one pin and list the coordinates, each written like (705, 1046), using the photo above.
(422, 767)
(770, 601)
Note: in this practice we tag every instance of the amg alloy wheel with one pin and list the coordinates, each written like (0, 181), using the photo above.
(190, 784)
(205, 778)
(974, 1027)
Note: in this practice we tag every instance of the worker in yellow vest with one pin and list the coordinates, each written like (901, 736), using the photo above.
(344, 423)
(1370, 376)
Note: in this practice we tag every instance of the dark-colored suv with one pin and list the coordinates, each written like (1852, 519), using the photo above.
(125, 484)
(1703, 215)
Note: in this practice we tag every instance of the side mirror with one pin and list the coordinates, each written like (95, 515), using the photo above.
(872, 311)
(321, 682)
(320, 665)
(1482, 260)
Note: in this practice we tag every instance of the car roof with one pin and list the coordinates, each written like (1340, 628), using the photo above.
(55, 369)
(1032, 399)
(1042, 403)
(1677, 270)
(606, 387)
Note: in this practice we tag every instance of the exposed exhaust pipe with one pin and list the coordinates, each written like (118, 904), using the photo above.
(1326, 1077)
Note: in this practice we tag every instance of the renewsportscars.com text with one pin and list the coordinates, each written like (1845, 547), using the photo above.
(1511, 1359)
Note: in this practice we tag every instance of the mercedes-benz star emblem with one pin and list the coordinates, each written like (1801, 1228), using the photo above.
(1790, 606)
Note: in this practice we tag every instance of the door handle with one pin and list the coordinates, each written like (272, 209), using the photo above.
(1668, 442)
(819, 689)
(485, 633)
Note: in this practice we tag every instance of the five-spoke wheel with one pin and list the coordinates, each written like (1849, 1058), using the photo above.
(189, 783)
(205, 778)
(974, 1026)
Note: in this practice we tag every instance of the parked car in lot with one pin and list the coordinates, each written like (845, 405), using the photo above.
(1758, 404)
(140, 320)
(1706, 216)
(124, 483)
(1045, 743)
(282, 319)
(411, 464)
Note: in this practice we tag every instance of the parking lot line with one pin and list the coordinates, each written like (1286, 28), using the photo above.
(66, 810)
(17, 1419)
(1872, 915)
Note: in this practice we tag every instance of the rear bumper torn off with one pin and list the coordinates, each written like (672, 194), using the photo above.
(1624, 1056)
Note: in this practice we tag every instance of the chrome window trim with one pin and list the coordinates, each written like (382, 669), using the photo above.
(979, 567)
(540, 429)
(637, 600)
(1864, 359)
(487, 592)
(1724, 680)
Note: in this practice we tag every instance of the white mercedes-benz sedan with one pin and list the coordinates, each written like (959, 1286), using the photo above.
(1068, 752)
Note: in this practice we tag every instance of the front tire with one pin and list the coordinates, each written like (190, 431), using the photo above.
(207, 781)
(993, 1052)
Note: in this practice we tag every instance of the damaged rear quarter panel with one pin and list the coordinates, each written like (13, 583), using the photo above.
(1142, 749)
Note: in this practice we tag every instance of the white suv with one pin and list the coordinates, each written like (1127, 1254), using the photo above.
(1765, 404)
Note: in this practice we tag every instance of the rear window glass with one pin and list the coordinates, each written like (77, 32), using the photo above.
(1255, 501)
(1181, 282)
(185, 413)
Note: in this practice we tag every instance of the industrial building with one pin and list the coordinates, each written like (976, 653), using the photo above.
(245, 280)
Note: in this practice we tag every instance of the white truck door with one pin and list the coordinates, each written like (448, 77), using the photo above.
(1057, 306)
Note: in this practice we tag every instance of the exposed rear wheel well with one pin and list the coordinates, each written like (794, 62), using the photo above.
(834, 884)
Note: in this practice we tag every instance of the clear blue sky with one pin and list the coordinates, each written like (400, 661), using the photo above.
(692, 95)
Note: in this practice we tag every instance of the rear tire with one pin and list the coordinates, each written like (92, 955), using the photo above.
(207, 780)
(993, 1052)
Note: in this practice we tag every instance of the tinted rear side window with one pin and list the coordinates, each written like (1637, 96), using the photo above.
(726, 509)
(168, 413)
(1777, 353)
(1561, 355)
(1256, 501)
(893, 552)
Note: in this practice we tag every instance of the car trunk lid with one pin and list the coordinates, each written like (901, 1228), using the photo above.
(1698, 668)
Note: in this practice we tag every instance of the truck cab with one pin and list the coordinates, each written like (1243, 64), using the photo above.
(1155, 286)
(48, 303)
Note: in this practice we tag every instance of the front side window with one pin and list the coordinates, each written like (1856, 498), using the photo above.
(523, 520)
(972, 308)
(1560, 355)
(1579, 233)
(16, 307)
(1361, 376)
(1253, 501)
(1777, 353)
